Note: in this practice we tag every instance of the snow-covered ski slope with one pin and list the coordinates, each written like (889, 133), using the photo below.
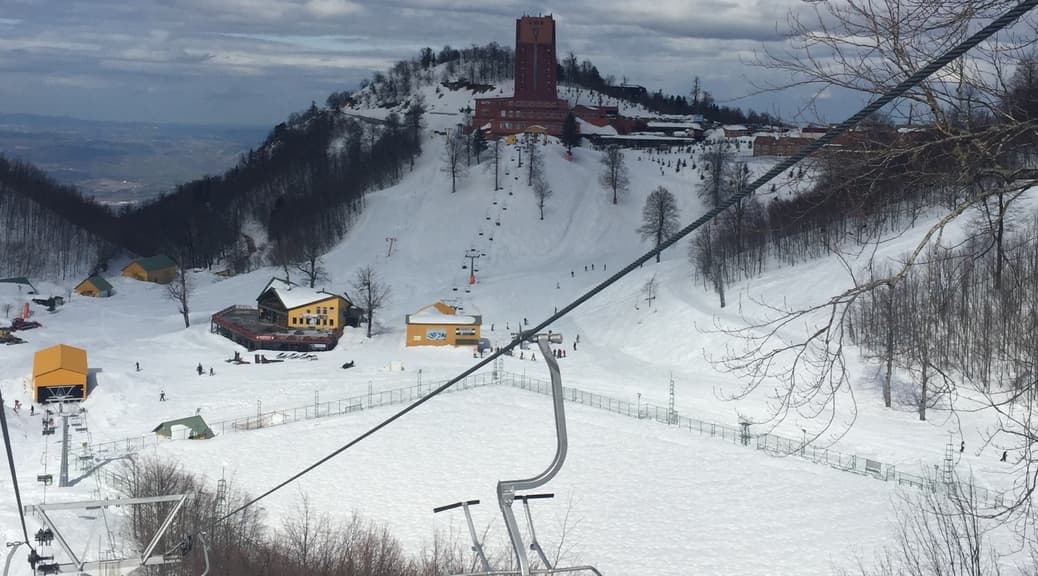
(640, 496)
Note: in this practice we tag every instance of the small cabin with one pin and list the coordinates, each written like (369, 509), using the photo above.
(159, 269)
(95, 287)
(439, 324)
(190, 428)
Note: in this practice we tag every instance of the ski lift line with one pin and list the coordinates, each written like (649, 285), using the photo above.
(913, 80)
(14, 475)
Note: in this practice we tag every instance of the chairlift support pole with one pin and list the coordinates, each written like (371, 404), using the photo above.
(477, 547)
(506, 489)
(534, 544)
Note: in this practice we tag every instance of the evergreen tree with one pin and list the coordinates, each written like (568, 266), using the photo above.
(478, 142)
(570, 132)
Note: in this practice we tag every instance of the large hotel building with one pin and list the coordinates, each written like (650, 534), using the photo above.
(536, 102)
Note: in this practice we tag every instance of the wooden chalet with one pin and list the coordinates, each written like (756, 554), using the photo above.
(439, 324)
(95, 287)
(159, 269)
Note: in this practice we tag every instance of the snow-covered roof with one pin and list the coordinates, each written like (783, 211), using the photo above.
(676, 125)
(435, 317)
(294, 296)
(589, 128)
(642, 136)
(433, 314)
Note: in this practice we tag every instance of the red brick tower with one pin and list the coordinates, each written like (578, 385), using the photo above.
(535, 59)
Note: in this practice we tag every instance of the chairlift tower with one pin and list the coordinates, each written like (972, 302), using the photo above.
(472, 254)
(76, 565)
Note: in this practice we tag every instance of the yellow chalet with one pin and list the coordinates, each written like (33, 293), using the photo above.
(159, 269)
(59, 373)
(439, 324)
(95, 286)
(293, 306)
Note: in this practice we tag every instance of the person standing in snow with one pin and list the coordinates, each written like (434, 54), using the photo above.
(200, 369)
(211, 371)
(162, 396)
(138, 366)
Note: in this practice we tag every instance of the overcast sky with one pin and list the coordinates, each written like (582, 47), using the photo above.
(255, 61)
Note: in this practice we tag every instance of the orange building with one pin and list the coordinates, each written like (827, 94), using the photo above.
(159, 269)
(59, 373)
(440, 324)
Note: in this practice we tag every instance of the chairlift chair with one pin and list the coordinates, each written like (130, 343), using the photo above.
(506, 489)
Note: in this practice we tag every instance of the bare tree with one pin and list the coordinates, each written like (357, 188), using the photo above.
(942, 530)
(534, 160)
(372, 293)
(179, 290)
(312, 265)
(542, 192)
(660, 218)
(454, 146)
(972, 151)
(614, 173)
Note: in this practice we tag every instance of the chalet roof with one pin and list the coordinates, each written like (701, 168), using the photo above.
(98, 282)
(440, 313)
(293, 296)
(153, 263)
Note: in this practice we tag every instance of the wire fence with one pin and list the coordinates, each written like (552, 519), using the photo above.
(773, 444)
(743, 434)
(277, 417)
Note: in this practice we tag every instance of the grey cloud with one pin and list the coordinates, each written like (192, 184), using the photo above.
(259, 59)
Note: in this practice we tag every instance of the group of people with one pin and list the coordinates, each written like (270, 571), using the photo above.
(18, 408)
(202, 370)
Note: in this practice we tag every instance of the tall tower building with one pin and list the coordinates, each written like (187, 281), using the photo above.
(535, 64)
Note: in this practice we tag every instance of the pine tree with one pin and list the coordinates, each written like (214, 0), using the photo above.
(570, 132)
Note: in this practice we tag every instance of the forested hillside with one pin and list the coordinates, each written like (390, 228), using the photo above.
(293, 197)
(47, 229)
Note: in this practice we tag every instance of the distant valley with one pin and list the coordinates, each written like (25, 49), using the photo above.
(124, 162)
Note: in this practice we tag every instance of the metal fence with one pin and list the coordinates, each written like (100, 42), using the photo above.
(741, 435)
(767, 442)
(342, 406)
(336, 407)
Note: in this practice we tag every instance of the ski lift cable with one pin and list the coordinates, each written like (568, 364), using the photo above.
(14, 475)
(904, 86)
